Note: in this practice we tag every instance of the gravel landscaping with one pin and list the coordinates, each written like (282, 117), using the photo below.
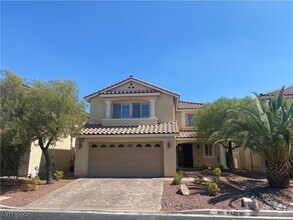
(234, 187)
(15, 192)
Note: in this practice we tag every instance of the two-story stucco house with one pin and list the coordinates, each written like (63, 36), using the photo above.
(137, 129)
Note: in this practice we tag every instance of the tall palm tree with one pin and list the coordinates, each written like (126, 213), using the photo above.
(269, 133)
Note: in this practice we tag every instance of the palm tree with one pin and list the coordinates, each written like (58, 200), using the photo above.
(269, 133)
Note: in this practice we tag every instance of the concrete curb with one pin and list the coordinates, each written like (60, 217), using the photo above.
(237, 212)
(211, 212)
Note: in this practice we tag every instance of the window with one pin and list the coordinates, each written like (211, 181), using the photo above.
(121, 110)
(140, 110)
(134, 110)
(208, 151)
(189, 119)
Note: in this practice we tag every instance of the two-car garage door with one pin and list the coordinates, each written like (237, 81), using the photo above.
(126, 160)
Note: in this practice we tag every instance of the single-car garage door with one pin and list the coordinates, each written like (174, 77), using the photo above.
(126, 160)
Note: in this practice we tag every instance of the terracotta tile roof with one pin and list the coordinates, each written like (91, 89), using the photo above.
(161, 128)
(187, 134)
(189, 105)
(129, 92)
(131, 78)
(288, 91)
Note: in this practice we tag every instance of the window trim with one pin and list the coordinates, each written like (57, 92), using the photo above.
(212, 151)
(130, 105)
(186, 119)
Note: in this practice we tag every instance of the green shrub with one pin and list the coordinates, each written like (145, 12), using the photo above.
(33, 183)
(58, 175)
(217, 181)
(217, 171)
(212, 188)
(177, 179)
(32, 186)
(181, 173)
(221, 167)
(198, 179)
(204, 167)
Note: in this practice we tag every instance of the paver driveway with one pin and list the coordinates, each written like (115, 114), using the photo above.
(106, 195)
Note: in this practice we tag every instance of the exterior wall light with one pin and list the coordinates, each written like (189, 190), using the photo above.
(80, 142)
(169, 145)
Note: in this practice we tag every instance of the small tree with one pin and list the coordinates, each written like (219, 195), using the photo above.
(14, 137)
(210, 119)
(54, 113)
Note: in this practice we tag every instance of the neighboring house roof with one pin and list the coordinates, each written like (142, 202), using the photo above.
(131, 79)
(189, 105)
(288, 91)
(187, 134)
(160, 128)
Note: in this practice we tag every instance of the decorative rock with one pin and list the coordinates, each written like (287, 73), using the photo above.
(249, 203)
(184, 190)
(204, 179)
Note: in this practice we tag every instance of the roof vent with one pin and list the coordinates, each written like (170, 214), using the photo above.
(131, 76)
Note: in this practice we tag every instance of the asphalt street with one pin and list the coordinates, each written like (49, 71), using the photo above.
(51, 215)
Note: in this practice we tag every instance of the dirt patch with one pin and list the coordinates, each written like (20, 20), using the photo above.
(20, 196)
(233, 188)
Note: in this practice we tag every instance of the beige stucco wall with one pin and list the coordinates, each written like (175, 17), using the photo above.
(165, 108)
(61, 155)
(169, 152)
(180, 116)
(246, 160)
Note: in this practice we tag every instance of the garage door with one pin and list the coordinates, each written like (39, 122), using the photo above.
(126, 160)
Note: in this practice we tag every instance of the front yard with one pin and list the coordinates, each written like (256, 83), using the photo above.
(234, 187)
(15, 192)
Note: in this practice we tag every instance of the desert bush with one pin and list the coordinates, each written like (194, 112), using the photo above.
(177, 179)
(212, 188)
(221, 167)
(198, 179)
(217, 171)
(58, 175)
(33, 183)
(181, 173)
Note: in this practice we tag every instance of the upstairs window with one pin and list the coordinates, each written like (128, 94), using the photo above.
(134, 110)
(140, 110)
(189, 120)
(121, 110)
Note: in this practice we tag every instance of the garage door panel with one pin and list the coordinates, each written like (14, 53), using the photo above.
(126, 161)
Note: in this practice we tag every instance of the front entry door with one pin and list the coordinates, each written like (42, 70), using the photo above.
(185, 155)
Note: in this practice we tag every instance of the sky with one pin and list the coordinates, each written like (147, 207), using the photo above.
(201, 50)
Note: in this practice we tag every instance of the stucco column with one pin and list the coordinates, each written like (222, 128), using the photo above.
(81, 158)
(223, 157)
(169, 145)
(153, 108)
(108, 109)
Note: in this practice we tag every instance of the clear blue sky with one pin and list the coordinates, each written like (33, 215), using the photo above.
(201, 50)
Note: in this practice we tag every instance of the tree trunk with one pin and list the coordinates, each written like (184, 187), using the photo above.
(230, 156)
(278, 175)
(48, 165)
